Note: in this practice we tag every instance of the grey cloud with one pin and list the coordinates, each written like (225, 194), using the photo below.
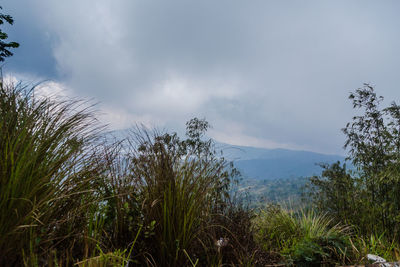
(278, 71)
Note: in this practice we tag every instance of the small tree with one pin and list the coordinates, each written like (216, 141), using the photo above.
(4, 45)
(373, 142)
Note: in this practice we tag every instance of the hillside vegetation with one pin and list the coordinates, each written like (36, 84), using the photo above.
(70, 196)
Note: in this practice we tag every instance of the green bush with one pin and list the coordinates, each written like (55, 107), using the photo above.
(304, 238)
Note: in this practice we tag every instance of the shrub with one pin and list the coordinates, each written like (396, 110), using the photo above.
(304, 238)
(181, 184)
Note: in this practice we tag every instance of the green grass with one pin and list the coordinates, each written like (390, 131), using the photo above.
(304, 238)
(377, 245)
(45, 171)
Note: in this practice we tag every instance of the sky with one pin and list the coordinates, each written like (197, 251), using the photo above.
(272, 74)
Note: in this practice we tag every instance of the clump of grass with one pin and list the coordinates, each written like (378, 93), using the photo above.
(185, 194)
(119, 209)
(115, 258)
(304, 238)
(180, 188)
(45, 172)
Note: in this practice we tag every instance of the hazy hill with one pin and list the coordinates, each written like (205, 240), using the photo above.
(268, 164)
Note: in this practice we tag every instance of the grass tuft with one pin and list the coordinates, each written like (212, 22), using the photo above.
(304, 237)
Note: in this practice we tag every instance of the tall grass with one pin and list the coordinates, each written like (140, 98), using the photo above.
(185, 194)
(179, 190)
(119, 210)
(45, 172)
(154, 199)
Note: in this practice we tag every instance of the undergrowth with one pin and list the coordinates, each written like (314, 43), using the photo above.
(304, 238)
(74, 195)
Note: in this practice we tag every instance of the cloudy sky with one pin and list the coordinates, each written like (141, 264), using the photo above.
(263, 73)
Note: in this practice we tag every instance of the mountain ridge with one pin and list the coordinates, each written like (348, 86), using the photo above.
(268, 164)
(278, 163)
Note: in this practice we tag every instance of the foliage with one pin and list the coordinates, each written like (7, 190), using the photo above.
(180, 188)
(304, 238)
(370, 197)
(76, 197)
(186, 189)
(376, 245)
(334, 192)
(4, 46)
(117, 216)
(115, 258)
(374, 146)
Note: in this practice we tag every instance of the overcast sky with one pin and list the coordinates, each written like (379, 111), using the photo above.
(263, 73)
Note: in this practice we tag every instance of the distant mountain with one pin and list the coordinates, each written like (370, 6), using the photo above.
(267, 164)
(271, 164)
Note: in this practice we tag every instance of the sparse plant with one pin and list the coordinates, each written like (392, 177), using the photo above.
(376, 245)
